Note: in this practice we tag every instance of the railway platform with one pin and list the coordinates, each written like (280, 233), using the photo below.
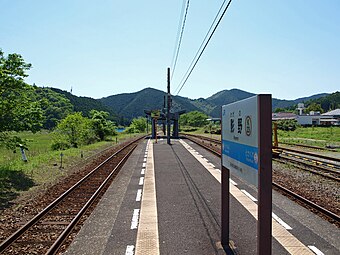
(166, 199)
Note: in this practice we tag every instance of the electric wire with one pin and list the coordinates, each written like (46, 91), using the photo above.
(206, 36)
(192, 66)
(179, 36)
(178, 32)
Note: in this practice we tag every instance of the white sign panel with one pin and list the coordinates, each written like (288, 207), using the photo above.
(240, 138)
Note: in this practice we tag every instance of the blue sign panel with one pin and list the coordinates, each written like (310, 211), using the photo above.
(240, 138)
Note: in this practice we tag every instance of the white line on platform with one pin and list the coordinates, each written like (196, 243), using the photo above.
(141, 181)
(315, 250)
(281, 222)
(139, 195)
(294, 246)
(212, 164)
(232, 182)
(248, 195)
(134, 221)
(130, 250)
(144, 164)
(143, 171)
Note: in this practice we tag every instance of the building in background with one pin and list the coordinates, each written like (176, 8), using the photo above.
(331, 118)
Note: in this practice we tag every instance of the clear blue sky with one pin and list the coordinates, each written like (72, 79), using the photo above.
(287, 48)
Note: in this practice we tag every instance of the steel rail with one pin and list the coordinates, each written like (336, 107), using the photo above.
(312, 161)
(57, 244)
(308, 153)
(309, 146)
(324, 211)
(297, 163)
(308, 202)
(281, 149)
(11, 239)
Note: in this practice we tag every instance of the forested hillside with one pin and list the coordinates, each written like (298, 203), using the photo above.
(327, 103)
(132, 105)
(86, 104)
(26, 107)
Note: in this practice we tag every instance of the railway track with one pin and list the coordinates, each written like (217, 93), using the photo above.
(46, 232)
(325, 166)
(317, 164)
(213, 146)
(309, 146)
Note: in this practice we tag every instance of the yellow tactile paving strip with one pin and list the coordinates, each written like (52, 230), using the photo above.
(286, 239)
(147, 235)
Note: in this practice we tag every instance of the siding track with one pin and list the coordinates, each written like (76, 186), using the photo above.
(214, 146)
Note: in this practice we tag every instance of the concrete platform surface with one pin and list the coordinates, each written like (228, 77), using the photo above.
(167, 200)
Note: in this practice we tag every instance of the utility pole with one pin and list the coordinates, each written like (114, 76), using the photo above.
(168, 105)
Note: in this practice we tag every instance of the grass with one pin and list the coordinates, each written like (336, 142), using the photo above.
(43, 164)
(200, 131)
(315, 136)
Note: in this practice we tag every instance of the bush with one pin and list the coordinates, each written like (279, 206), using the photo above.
(212, 129)
(60, 145)
(188, 129)
(287, 125)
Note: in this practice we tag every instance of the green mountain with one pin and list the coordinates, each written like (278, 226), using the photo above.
(132, 105)
(86, 104)
(328, 102)
(229, 96)
(278, 103)
(124, 107)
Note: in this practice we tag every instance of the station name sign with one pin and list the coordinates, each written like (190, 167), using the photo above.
(247, 153)
(240, 138)
(155, 114)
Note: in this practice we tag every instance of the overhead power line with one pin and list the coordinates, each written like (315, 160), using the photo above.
(202, 48)
(181, 26)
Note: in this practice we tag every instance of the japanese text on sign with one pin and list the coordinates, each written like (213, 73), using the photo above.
(239, 138)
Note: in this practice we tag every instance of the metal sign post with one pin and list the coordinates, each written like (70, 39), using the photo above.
(246, 152)
(168, 105)
(155, 114)
(61, 160)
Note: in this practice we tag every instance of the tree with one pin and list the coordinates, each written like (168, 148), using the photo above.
(100, 125)
(138, 125)
(314, 107)
(277, 110)
(55, 106)
(18, 110)
(73, 131)
(194, 119)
